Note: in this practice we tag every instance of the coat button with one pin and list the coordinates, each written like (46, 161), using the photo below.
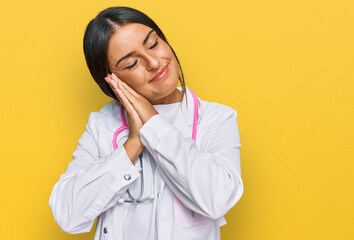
(105, 230)
(127, 177)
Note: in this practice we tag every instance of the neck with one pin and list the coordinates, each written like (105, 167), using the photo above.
(174, 97)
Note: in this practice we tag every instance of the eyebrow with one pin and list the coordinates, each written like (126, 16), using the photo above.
(131, 53)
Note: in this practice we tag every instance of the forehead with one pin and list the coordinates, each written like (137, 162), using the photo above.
(127, 37)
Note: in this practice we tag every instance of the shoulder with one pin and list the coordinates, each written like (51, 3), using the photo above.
(216, 111)
(215, 118)
(108, 111)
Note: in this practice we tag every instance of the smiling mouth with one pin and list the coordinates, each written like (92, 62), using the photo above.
(160, 74)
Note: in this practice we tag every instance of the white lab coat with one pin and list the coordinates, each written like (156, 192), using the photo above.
(204, 174)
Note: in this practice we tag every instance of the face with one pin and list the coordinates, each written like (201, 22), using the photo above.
(136, 54)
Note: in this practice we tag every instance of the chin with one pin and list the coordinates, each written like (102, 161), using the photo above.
(163, 92)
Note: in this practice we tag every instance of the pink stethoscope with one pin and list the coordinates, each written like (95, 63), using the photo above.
(127, 177)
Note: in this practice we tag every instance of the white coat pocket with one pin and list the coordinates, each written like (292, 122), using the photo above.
(185, 218)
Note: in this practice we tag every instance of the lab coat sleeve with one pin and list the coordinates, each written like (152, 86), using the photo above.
(207, 182)
(91, 184)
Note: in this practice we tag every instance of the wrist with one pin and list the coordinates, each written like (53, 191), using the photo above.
(133, 148)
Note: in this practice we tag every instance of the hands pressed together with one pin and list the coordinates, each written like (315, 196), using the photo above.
(139, 109)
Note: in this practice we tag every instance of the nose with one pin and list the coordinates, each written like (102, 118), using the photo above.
(152, 62)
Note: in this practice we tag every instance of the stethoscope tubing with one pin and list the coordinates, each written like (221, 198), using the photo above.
(138, 199)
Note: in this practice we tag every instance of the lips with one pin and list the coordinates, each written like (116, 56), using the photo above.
(160, 74)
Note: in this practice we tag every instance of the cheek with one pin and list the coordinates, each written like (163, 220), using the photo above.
(175, 65)
(165, 50)
(134, 77)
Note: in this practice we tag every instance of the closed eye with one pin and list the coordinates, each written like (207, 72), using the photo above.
(131, 66)
(155, 44)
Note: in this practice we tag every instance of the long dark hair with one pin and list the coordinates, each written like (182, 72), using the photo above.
(97, 34)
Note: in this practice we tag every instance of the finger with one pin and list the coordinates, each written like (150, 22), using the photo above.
(132, 98)
(124, 99)
(131, 112)
(118, 92)
(132, 91)
(113, 85)
(127, 105)
(119, 85)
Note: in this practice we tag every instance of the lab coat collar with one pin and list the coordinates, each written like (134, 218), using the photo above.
(185, 115)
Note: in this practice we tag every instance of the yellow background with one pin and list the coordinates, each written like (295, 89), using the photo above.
(285, 66)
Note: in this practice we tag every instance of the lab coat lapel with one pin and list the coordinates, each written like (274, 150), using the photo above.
(184, 117)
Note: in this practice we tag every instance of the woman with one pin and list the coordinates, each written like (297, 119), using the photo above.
(175, 172)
